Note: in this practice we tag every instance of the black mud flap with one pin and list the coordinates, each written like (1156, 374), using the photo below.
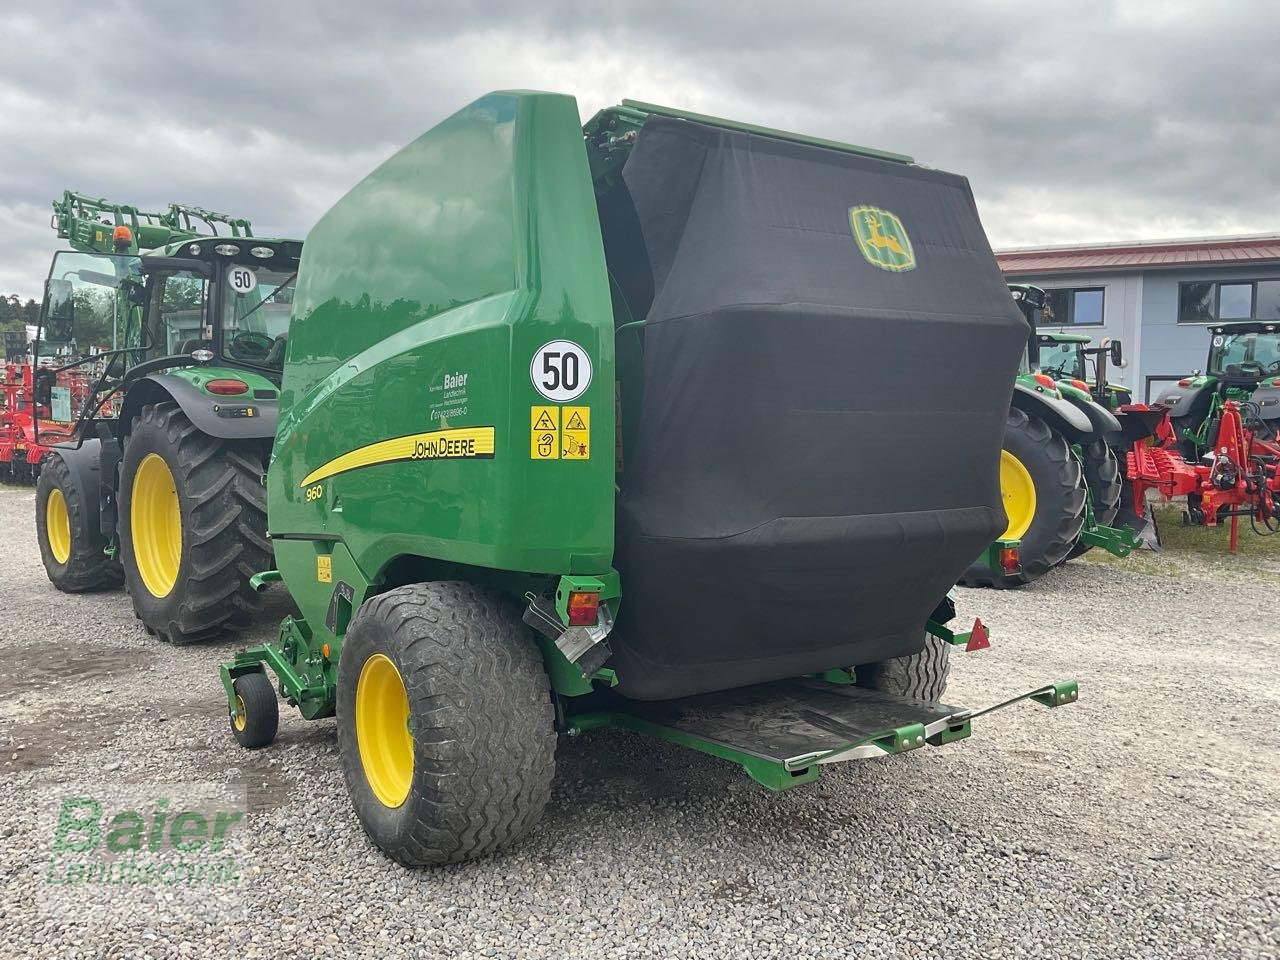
(783, 733)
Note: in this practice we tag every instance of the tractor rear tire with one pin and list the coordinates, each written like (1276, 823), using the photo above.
(1105, 481)
(446, 726)
(193, 524)
(75, 559)
(920, 676)
(1055, 514)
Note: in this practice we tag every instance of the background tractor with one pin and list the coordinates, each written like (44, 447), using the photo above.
(164, 345)
(602, 442)
(1068, 356)
(1243, 366)
(1060, 480)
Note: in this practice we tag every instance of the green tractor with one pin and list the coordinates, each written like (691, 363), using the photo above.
(1068, 356)
(588, 427)
(1061, 481)
(164, 340)
(1244, 366)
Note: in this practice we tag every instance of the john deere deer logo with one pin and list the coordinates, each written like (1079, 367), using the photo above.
(882, 239)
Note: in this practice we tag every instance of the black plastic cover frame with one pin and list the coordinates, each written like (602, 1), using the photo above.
(816, 461)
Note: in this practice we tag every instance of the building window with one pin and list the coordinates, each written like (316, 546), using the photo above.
(1076, 307)
(1230, 300)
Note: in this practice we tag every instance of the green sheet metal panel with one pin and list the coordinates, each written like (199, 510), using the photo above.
(408, 397)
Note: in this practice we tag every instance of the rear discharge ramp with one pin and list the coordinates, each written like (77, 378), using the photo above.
(783, 733)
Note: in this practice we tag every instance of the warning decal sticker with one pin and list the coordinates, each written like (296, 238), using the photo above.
(544, 433)
(577, 433)
(460, 443)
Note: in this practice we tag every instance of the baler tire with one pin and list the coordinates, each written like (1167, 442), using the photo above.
(1059, 510)
(478, 706)
(258, 712)
(87, 566)
(919, 676)
(1105, 481)
(223, 517)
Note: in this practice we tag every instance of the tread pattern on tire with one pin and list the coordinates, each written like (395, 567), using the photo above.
(225, 542)
(482, 717)
(920, 676)
(88, 567)
(1103, 477)
(1058, 533)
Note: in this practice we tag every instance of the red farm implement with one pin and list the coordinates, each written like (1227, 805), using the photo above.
(1236, 476)
(31, 422)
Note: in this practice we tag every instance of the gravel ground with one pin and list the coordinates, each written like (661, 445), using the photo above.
(1142, 822)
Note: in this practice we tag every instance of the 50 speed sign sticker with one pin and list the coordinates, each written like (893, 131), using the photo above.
(241, 279)
(560, 371)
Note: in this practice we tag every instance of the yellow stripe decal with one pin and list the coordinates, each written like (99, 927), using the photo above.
(461, 443)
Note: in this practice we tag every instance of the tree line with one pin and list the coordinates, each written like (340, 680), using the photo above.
(16, 312)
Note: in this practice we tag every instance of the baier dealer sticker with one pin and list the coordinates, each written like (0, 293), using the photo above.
(560, 371)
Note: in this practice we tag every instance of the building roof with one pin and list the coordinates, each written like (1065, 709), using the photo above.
(1142, 254)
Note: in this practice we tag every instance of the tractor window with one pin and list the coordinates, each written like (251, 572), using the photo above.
(89, 304)
(1062, 361)
(176, 323)
(256, 306)
(1245, 354)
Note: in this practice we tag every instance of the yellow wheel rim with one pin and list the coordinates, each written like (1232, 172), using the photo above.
(241, 720)
(1019, 493)
(382, 730)
(155, 522)
(57, 525)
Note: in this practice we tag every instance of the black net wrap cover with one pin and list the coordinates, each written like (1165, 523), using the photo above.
(817, 455)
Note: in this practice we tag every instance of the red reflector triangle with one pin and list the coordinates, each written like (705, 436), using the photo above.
(978, 639)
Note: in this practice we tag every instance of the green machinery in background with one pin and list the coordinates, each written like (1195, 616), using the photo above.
(162, 338)
(1061, 481)
(464, 497)
(1243, 365)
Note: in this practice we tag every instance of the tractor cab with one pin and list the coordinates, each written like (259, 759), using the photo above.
(1068, 356)
(1243, 366)
(1062, 355)
(1244, 354)
(191, 310)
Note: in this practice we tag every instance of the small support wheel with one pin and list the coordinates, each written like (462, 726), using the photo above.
(257, 716)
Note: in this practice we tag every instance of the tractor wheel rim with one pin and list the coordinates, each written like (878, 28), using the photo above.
(155, 520)
(57, 523)
(382, 730)
(1019, 493)
(241, 720)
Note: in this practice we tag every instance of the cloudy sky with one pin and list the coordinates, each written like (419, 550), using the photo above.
(1075, 121)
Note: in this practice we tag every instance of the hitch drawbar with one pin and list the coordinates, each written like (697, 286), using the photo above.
(783, 733)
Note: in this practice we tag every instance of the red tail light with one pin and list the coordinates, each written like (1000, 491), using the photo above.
(1046, 381)
(1010, 560)
(1186, 382)
(227, 387)
(584, 608)
(1080, 385)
